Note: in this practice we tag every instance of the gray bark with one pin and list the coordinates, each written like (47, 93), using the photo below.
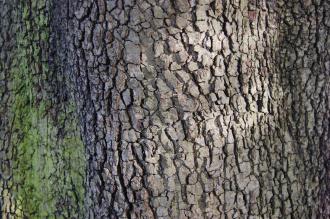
(187, 108)
(204, 109)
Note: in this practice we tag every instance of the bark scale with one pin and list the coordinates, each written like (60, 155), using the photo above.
(187, 108)
(204, 109)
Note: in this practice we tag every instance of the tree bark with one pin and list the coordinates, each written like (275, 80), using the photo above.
(204, 109)
(187, 108)
(41, 152)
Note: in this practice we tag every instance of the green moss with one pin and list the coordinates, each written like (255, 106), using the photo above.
(48, 170)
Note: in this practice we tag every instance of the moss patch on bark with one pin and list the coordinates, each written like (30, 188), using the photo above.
(48, 154)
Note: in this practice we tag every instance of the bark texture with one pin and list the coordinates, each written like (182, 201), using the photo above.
(187, 108)
(204, 109)
(41, 153)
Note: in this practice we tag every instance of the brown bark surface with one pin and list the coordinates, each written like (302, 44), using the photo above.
(187, 108)
(204, 109)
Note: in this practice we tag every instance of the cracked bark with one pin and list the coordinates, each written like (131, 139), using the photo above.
(198, 108)
(41, 152)
(201, 109)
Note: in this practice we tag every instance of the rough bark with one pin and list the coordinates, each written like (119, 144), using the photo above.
(204, 109)
(187, 108)
(41, 153)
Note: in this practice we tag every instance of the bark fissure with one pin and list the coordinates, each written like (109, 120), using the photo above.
(188, 109)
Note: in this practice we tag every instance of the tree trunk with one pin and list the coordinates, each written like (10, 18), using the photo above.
(41, 152)
(187, 108)
(201, 109)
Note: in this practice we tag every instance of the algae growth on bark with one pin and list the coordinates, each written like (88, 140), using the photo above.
(165, 109)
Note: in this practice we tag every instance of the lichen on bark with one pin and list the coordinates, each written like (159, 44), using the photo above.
(44, 149)
(187, 108)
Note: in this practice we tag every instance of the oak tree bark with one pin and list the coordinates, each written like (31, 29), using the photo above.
(189, 108)
(204, 109)
(41, 152)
